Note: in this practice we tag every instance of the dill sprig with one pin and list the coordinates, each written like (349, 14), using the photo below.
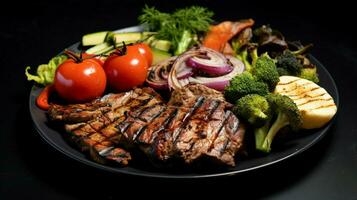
(194, 20)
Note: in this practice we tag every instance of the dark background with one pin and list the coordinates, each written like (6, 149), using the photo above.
(31, 33)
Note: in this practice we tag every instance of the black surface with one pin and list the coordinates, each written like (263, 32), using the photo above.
(33, 32)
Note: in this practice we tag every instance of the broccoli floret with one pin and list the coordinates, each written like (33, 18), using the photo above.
(266, 71)
(253, 108)
(309, 74)
(289, 62)
(287, 114)
(244, 84)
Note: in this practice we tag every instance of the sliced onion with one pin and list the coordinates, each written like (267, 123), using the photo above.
(236, 63)
(217, 83)
(184, 72)
(227, 67)
(178, 66)
(210, 61)
(155, 79)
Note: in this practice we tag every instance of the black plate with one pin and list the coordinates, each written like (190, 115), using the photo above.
(290, 148)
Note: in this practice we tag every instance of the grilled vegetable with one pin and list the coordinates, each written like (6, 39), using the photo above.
(220, 34)
(270, 40)
(314, 103)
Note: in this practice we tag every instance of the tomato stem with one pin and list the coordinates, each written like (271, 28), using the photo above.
(75, 57)
(120, 51)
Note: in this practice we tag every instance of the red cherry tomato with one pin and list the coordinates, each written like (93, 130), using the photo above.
(80, 81)
(144, 50)
(126, 71)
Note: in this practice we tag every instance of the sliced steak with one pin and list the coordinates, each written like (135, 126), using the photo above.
(195, 123)
(93, 126)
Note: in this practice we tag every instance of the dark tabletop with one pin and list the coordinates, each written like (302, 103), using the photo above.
(31, 33)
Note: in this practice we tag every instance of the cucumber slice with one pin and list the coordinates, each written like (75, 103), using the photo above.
(94, 38)
(125, 37)
(131, 36)
(159, 55)
(163, 45)
(100, 48)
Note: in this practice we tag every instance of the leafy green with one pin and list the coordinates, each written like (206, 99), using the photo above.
(190, 21)
(45, 73)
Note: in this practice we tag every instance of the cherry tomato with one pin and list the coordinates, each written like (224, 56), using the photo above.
(126, 71)
(80, 81)
(144, 50)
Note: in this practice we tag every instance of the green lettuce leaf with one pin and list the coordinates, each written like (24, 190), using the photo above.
(45, 72)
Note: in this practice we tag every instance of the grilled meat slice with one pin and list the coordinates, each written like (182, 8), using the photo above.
(228, 141)
(93, 126)
(100, 148)
(209, 129)
(190, 92)
(189, 127)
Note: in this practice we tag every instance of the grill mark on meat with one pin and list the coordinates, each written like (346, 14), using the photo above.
(212, 128)
(142, 119)
(214, 105)
(177, 131)
(148, 109)
(150, 133)
(194, 141)
(138, 132)
(224, 121)
(161, 147)
(135, 123)
(223, 149)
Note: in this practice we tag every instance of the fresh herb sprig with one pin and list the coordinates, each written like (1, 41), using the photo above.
(180, 27)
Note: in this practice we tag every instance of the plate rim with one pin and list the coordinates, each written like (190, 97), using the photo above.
(92, 163)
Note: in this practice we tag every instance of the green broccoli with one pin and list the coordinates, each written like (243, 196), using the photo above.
(253, 108)
(309, 74)
(286, 113)
(290, 63)
(265, 70)
(244, 84)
